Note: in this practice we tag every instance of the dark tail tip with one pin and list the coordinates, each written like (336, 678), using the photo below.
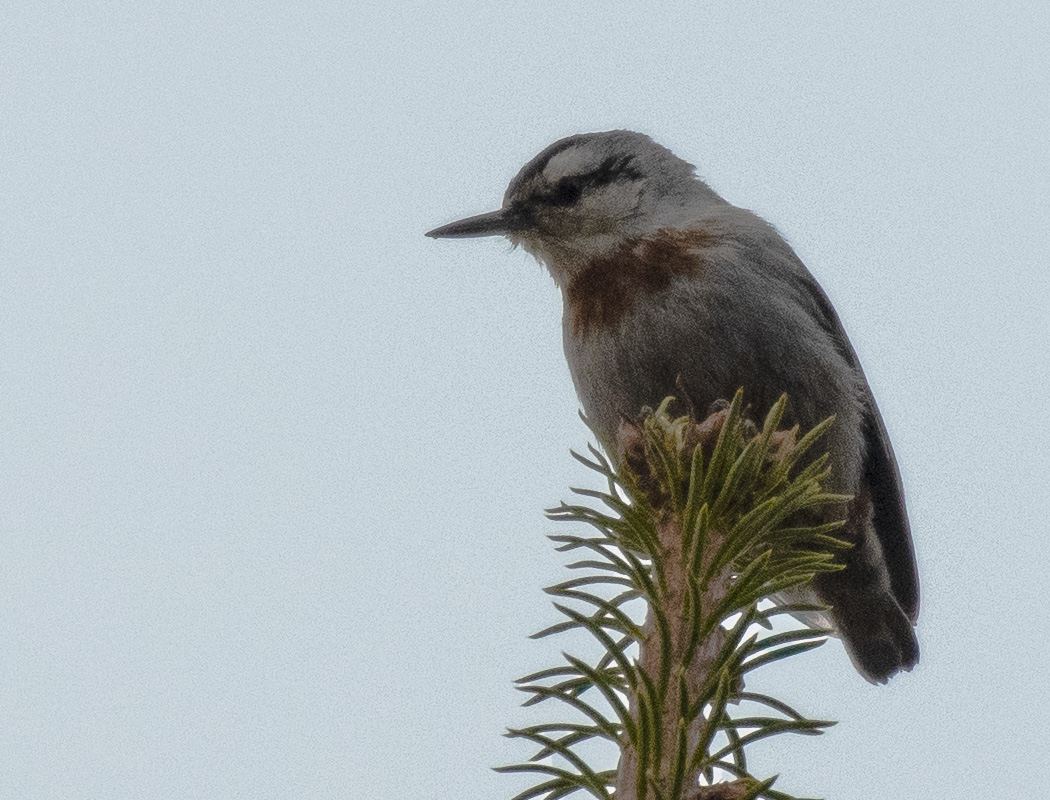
(878, 636)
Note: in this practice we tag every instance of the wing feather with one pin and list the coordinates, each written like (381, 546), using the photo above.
(880, 471)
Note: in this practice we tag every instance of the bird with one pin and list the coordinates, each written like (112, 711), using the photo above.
(668, 288)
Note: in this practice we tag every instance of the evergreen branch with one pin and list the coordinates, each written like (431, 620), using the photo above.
(575, 686)
(702, 521)
(596, 786)
(589, 711)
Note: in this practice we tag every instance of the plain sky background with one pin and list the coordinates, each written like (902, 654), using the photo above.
(274, 464)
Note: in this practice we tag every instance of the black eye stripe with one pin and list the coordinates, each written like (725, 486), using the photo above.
(612, 169)
(568, 190)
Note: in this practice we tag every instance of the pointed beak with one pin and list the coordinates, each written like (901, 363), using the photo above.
(495, 223)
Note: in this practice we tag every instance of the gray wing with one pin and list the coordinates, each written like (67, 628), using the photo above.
(880, 470)
(891, 516)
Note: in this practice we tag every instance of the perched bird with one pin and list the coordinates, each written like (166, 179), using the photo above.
(669, 288)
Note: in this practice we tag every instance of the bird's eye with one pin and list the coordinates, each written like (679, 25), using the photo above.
(566, 192)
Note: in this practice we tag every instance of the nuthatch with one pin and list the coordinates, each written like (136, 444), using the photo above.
(669, 288)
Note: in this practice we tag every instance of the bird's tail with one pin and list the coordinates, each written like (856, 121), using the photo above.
(878, 635)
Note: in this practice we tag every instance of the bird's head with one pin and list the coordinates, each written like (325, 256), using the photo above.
(588, 194)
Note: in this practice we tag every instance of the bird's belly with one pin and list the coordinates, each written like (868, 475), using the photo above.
(618, 376)
(700, 350)
(642, 359)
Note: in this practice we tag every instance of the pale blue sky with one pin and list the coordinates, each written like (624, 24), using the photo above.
(274, 464)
